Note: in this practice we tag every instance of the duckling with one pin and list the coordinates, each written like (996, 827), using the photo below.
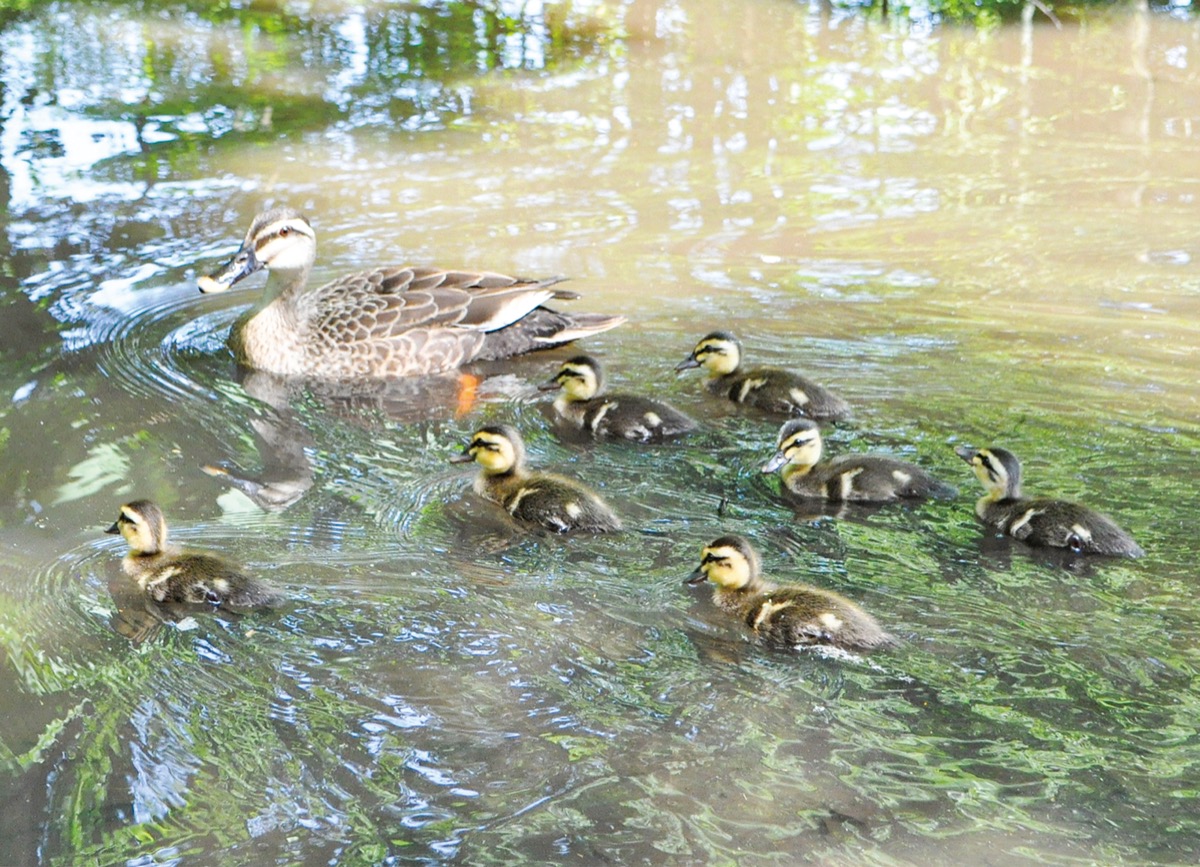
(768, 388)
(558, 504)
(167, 574)
(782, 616)
(1041, 521)
(384, 322)
(864, 478)
(611, 416)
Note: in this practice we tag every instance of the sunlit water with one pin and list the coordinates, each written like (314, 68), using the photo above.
(975, 237)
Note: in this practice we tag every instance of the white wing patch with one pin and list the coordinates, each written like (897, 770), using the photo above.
(1082, 532)
(901, 477)
(653, 419)
(847, 481)
(600, 414)
(798, 396)
(573, 510)
(830, 621)
(516, 501)
(1029, 515)
(767, 611)
(748, 386)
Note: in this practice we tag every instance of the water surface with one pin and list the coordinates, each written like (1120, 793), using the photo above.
(976, 237)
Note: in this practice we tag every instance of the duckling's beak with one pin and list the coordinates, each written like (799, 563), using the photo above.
(697, 577)
(776, 461)
(966, 453)
(464, 457)
(550, 385)
(241, 265)
(114, 529)
(687, 364)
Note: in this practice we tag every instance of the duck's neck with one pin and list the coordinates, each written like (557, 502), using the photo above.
(492, 480)
(284, 284)
(795, 471)
(734, 600)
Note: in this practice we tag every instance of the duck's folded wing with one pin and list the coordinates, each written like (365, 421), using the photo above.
(388, 301)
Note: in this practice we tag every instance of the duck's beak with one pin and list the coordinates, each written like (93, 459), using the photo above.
(550, 385)
(697, 577)
(966, 453)
(242, 265)
(464, 457)
(687, 364)
(114, 529)
(777, 460)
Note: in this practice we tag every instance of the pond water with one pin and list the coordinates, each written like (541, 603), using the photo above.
(976, 237)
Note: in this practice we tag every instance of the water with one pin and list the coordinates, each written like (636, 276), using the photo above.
(975, 237)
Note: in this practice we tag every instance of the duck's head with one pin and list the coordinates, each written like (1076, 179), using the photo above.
(580, 378)
(720, 353)
(496, 448)
(729, 562)
(280, 239)
(998, 469)
(799, 444)
(143, 526)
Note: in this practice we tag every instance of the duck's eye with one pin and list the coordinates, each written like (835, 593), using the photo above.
(284, 232)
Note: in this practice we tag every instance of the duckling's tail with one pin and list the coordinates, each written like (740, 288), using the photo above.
(542, 329)
(941, 491)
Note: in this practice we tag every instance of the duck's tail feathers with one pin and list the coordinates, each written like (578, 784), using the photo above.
(542, 329)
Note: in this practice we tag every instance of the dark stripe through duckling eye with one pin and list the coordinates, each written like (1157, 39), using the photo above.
(485, 444)
(713, 558)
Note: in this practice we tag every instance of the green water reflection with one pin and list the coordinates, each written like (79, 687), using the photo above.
(975, 237)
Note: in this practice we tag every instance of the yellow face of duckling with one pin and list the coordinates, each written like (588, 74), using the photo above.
(998, 470)
(280, 239)
(142, 525)
(728, 562)
(719, 353)
(799, 447)
(579, 378)
(496, 449)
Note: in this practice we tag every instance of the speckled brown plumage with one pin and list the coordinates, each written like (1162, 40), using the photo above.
(384, 322)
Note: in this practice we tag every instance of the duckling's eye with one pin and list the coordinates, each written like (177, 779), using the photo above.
(712, 558)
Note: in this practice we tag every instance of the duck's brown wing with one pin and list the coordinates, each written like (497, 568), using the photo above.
(413, 320)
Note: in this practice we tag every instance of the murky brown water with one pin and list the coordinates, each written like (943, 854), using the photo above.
(975, 237)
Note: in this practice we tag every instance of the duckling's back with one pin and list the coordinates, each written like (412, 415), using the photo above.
(200, 579)
(801, 615)
(1059, 524)
(867, 478)
(634, 418)
(782, 392)
(556, 503)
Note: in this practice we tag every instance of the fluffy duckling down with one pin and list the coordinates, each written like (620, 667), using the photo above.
(1042, 522)
(552, 502)
(788, 616)
(859, 478)
(768, 388)
(584, 404)
(168, 574)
